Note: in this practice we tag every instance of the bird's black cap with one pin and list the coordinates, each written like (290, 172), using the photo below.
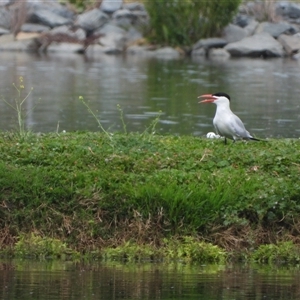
(219, 94)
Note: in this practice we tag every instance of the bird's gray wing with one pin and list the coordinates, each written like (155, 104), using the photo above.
(238, 128)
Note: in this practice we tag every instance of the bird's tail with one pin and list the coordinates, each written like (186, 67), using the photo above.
(258, 140)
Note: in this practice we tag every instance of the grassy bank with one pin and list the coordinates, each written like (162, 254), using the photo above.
(95, 190)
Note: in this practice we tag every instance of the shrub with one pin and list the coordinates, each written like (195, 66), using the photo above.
(284, 252)
(175, 22)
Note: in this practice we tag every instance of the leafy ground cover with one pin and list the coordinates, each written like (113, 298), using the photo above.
(94, 190)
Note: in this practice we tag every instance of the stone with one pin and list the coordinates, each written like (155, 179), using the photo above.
(32, 27)
(275, 29)
(233, 33)
(242, 20)
(48, 18)
(124, 18)
(210, 43)
(50, 5)
(114, 38)
(4, 31)
(199, 52)
(133, 35)
(251, 27)
(5, 18)
(110, 6)
(287, 9)
(91, 20)
(166, 53)
(291, 44)
(218, 54)
(134, 6)
(258, 45)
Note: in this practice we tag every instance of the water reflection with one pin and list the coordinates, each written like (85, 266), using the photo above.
(66, 280)
(264, 93)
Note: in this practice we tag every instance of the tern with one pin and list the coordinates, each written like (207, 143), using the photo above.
(226, 123)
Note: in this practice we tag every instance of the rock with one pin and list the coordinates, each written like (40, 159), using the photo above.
(4, 2)
(218, 54)
(206, 44)
(291, 44)
(296, 56)
(4, 31)
(91, 20)
(110, 6)
(258, 45)
(51, 5)
(199, 52)
(166, 53)
(135, 6)
(48, 18)
(5, 18)
(275, 29)
(242, 20)
(233, 33)
(124, 18)
(31, 27)
(133, 35)
(113, 40)
(288, 10)
(251, 27)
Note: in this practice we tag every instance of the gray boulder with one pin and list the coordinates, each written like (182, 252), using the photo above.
(92, 20)
(258, 45)
(4, 31)
(51, 5)
(210, 43)
(275, 29)
(290, 43)
(32, 27)
(110, 6)
(126, 18)
(135, 6)
(233, 33)
(288, 10)
(48, 18)
(218, 54)
(113, 40)
(5, 18)
(166, 53)
(251, 27)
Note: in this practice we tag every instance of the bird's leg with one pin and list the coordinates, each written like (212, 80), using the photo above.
(225, 141)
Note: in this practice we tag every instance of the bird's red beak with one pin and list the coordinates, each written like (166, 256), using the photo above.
(209, 98)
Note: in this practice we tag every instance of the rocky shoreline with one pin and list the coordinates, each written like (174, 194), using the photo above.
(260, 29)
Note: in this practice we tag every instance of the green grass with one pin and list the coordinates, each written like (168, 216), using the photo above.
(76, 188)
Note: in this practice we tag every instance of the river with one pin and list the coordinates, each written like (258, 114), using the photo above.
(265, 93)
(53, 280)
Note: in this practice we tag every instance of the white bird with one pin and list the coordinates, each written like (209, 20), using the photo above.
(226, 123)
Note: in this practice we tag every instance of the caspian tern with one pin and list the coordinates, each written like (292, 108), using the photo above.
(226, 123)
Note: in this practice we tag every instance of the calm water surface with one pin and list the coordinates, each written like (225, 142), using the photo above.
(265, 93)
(62, 280)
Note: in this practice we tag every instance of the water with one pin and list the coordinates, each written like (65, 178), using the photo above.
(265, 93)
(55, 280)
